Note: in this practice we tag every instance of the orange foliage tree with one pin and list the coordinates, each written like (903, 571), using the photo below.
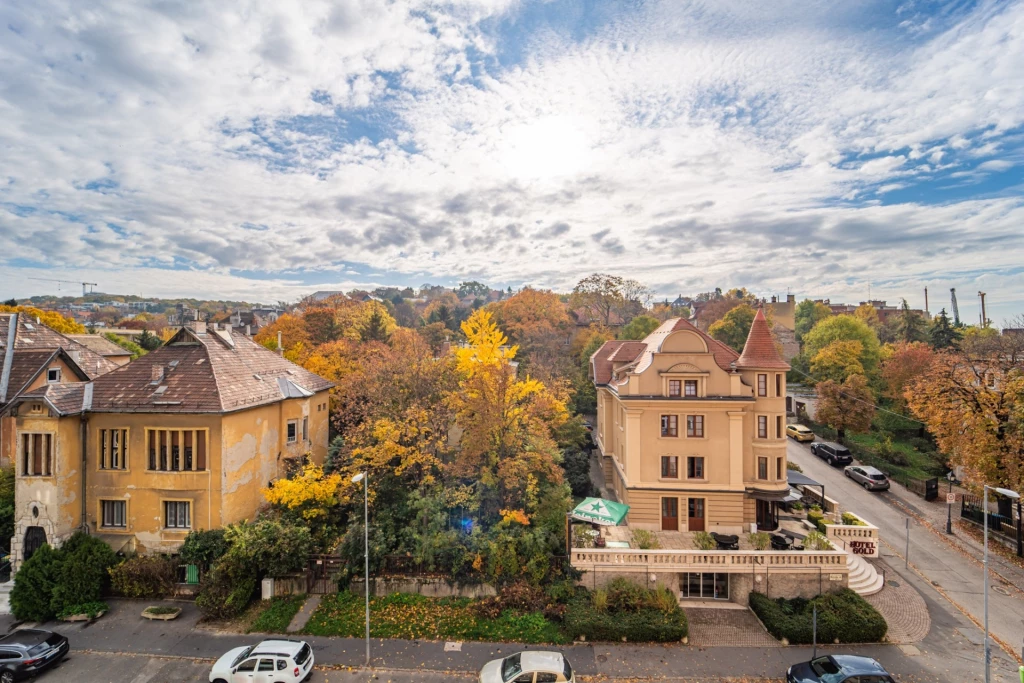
(845, 407)
(903, 363)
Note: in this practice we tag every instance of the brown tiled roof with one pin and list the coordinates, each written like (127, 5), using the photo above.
(25, 367)
(99, 344)
(759, 352)
(601, 363)
(217, 371)
(627, 351)
(34, 336)
(66, 399)
(724, 355)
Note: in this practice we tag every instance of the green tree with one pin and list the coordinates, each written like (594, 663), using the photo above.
(943, 335)
(374, 328)
(32, 595)
(845, 407)
(149, 341)
(837, 361)
(910, 326)
(639, 327)
(472, 288)
(129, 346)
(808, 314)
(83, 573)
(733, 328)
(6, 507)
(845, 328)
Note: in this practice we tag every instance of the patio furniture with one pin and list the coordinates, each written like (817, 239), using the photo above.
(599, 542)
(780, 542)
(726, 541)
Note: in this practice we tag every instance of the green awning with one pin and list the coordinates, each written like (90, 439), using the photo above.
(600, 511)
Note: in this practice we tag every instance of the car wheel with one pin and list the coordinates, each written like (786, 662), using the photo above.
(831, 461)
(867, 486)
(220, 680)
(7, 677)
(847, 473)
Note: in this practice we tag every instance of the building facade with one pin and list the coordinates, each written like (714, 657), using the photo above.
(692, 434)
(182, 438)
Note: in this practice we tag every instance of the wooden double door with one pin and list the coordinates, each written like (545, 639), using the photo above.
(694, 514)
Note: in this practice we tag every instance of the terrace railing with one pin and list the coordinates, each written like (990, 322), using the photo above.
(616, 559)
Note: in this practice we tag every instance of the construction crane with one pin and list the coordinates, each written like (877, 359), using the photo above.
(69, 282)
(984, 319)
(956, 311)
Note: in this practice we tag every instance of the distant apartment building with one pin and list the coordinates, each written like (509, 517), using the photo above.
(883, 309)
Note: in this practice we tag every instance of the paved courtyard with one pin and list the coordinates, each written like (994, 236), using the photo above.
(904, 610)
(718, 627)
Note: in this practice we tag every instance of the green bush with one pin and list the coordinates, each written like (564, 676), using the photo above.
(647, 624)
(144, 576)
(844, 616)
(32, 595)
(83, 574)
(702, 540)
(817, 541)
(6, 507)
(645, 540)
(627, 596)
(91, 609)
(817, 518)
(851, 519)
(226, 589)
(202, 548)
(760, 540)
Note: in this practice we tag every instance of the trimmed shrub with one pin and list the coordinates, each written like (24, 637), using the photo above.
(817, 541)
(83, 573)
(645, 540)
(144, 576)
(844, 616)
(851, 519)
(32, 594)
(760, 540)
(202, 548)
(702, 540)
(647, 624)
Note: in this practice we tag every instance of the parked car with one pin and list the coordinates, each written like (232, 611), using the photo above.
(528, 667)
(868, 477)
(29, 651)
(832, 453)
(837, 669)
(272, 661)
(799, 432)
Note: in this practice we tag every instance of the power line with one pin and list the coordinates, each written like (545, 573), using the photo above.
(855, 398)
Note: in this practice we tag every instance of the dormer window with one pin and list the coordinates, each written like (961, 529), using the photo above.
(53, 375)
(690, 387)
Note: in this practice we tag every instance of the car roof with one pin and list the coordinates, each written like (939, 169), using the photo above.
(26, 637)
(541, 661)
(281, 646)
(833, 444)
(854, 664)
(871, 470)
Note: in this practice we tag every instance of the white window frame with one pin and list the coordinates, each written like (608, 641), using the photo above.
(56, 375)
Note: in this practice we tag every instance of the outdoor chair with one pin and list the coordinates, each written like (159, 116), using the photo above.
(726, 541)
(780, 542)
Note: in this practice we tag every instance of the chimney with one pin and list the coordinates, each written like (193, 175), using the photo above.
(199, 326)
(280, 349)
(791, 298)
(248, 331)
(156, 374)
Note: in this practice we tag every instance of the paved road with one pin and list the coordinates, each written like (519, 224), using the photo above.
(951, 582)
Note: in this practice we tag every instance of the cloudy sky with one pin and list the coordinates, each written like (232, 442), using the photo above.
(262, 150)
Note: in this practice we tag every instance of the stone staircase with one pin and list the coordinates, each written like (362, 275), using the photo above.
(864, 579)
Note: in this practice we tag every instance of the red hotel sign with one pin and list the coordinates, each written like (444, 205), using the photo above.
(863, 548)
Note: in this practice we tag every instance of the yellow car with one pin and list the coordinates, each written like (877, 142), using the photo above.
(799, 432)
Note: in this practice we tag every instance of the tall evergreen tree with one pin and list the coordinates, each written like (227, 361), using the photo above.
(910, 326)
(943, 335)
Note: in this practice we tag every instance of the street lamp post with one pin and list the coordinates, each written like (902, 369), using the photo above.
(366, 554)
(949, 506)
(1009, 494)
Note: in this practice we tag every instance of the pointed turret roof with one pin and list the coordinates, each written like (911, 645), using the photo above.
(759, 352)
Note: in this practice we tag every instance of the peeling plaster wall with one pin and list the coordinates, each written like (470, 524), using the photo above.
(251, 453)
(319, 426)
(144, 490)
(57, 497)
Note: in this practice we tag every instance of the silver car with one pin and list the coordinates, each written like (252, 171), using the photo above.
(868, 477)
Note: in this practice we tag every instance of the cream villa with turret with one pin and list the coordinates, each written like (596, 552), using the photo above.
(691, 436)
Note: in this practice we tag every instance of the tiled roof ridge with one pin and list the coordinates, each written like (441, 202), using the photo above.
(759, 351)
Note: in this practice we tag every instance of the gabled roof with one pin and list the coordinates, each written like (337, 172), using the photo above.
(63, 399)
(217, 371)
(759, 352)
(99, 344)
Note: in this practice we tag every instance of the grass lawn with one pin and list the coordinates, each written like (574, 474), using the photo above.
(277, 614)
(419, 617)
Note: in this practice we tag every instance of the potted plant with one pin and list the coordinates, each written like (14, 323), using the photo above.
(161, 613)
(84, 612)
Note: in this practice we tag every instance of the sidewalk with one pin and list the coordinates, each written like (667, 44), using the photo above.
(123, 630)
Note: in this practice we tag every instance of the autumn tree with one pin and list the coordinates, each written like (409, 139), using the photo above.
(734, 326)
(639, 327)
(52, 319)
(845, 407)
(605, 298)
(292, 329)
(720, 305)
(868, 314)
(838, 360)
(538, 322)
(904, 363)
(808, 314)
(845, 328)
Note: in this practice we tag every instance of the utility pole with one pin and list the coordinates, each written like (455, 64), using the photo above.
(926, 301)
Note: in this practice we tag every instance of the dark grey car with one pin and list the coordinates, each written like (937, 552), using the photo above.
(868, 477)
(832, 453)
(838, 669)
(26, 652)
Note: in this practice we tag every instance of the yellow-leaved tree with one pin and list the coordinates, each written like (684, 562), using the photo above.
(52, 319)
(310, 494)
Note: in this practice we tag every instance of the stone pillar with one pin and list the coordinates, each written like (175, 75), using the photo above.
(736, 450)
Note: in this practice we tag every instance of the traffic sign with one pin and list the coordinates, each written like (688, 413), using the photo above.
(950, 498)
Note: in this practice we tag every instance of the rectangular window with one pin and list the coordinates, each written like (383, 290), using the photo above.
(762, 468)
(670, 425)
(779, 429)
(53, 375)
(305, 429)
(675, 388)
(762, 426)
(293, 429)
(695, 468)
(762, 385)
(176, 450)
(114, 514)
(177, 514)
(695, 425)
(113, 449)
(669, 467)
(690, 387)
(36, 455)
(778, 469)
(778, 384)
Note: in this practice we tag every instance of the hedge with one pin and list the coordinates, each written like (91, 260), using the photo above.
(843, 616)
(647, 624)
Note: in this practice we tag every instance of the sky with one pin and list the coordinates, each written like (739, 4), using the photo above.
(264, 150)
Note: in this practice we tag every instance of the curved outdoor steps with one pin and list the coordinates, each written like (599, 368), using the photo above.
(864, 580)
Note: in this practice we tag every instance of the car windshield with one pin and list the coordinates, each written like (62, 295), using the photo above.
(38, 649)
(303, 655)
(511, 667)
(827, 670)
(242, 655)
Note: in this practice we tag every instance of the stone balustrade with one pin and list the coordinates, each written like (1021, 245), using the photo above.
(626, 559)
(857, 539)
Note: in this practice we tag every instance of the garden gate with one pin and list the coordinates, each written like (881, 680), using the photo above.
(322, 574)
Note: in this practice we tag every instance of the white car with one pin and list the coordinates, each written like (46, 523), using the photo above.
(528, 667)
(272, 661)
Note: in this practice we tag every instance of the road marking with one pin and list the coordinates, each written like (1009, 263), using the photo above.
(151, 669)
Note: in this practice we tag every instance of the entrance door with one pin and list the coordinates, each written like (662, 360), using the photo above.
(696, 515)
(766, 516)
(670, 514)
(35, 536)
